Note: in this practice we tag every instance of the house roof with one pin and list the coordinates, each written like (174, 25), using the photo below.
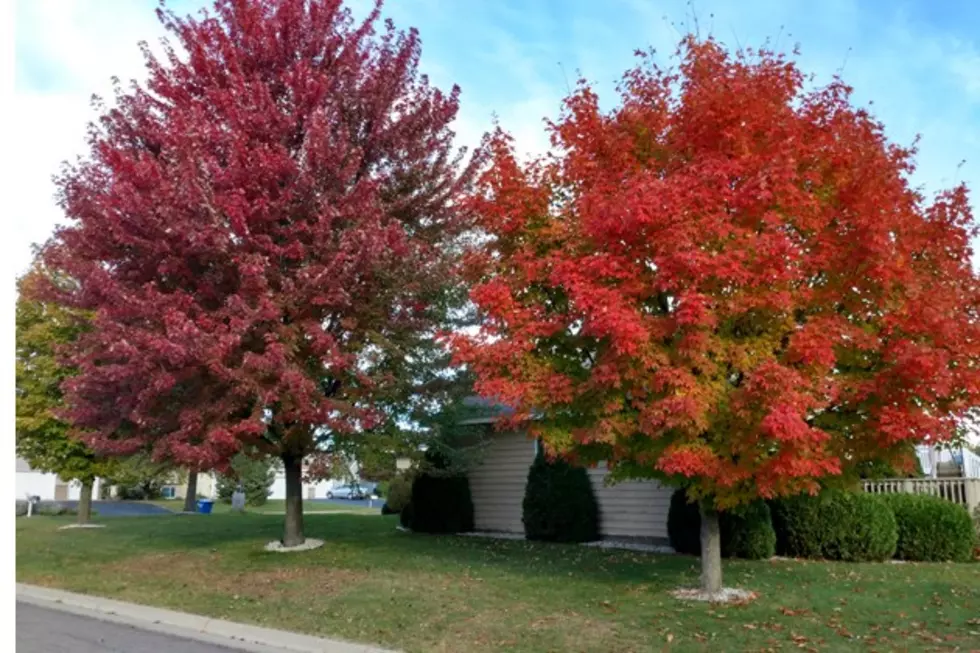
(485, 411)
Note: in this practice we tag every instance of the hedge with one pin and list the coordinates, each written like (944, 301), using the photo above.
(439, 504)
(559, 503)
(746, 532)
(836, 525)
(931, 528)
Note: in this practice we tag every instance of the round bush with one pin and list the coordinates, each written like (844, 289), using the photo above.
(21, 507)
(746, 532)
(847, 526)
(441, 504)
(931, 528)
(399, 493)
(559, 503)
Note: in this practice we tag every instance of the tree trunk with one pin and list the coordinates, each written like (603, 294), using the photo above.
(190, 499)
(85, 502)
(293, 535)
(710, 548)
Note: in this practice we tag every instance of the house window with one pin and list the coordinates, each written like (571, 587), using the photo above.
(168, 492)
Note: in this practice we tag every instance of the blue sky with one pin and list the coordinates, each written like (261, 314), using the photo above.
(918, 61)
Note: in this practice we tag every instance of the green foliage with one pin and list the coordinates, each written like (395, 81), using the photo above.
(837, 525)
(405, 517)
(931, 528)
(559, 502)
(684, 524)
(376, 465)
(399, 492)
(441, 503)
(42, 439)
(875, 469)
(256, 475)
(746, 532)
(21, 507)
(139, 477)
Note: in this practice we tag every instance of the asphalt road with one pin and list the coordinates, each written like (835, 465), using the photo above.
(48, 631)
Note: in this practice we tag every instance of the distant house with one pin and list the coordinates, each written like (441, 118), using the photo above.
(317, 490)
(47, 486)
(632, 510)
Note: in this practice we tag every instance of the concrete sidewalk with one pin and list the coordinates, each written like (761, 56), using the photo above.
(252, 639)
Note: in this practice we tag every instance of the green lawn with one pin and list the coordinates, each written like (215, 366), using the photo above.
(276, 507)
(424, 593)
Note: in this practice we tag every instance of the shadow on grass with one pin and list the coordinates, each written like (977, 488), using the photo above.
(372, 542)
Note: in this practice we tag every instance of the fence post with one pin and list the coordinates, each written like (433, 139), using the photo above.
(972, 487)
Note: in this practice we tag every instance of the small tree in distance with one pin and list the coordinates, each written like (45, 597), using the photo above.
(255, 475)
(725, 283)
(43, 439)
(266, 230)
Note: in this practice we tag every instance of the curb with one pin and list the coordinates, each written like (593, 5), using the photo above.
(241, 637)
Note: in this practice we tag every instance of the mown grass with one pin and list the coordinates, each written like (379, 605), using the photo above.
(374, 584)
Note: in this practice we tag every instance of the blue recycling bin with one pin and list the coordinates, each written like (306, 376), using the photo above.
(204, 506)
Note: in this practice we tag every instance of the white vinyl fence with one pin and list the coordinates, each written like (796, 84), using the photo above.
(963, 491)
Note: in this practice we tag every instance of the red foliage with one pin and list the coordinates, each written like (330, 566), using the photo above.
(726, 282)
(263, 231)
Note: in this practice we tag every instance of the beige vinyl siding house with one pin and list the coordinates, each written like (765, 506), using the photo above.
(629, 510)
(497, 484)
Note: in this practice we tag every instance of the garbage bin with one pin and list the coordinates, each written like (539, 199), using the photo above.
(204, 506)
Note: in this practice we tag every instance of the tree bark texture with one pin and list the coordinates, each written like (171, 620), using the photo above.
(710, 549)
(293, 534)
(190, 499)
(85, 502)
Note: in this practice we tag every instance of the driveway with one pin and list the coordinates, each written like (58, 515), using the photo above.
(122, 508)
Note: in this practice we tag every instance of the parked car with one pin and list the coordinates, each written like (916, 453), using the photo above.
(347, 492)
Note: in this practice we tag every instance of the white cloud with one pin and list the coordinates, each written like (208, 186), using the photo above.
(72, 49)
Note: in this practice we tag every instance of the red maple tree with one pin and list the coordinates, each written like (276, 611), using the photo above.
(726, 283)
(265, 230)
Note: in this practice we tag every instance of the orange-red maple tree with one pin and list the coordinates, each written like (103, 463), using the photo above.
(726, 282)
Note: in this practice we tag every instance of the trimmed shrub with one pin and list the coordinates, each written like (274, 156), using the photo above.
(559, 503)
(21, 507)
(399, 493)
(836, 525)
(931, 528)
(746, 532)
(441, 504)
(405, 516)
